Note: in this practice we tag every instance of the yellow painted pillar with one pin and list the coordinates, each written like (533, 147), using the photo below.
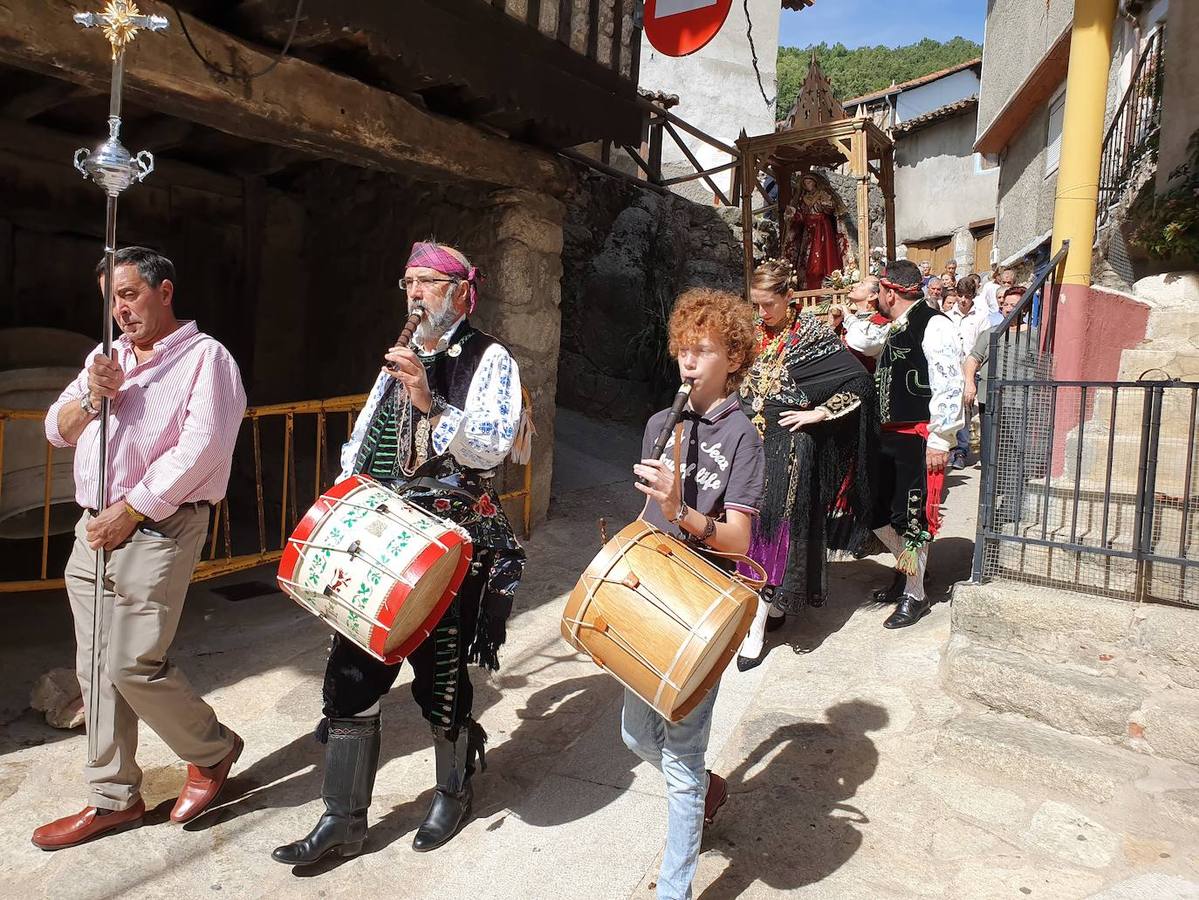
(1075, 205)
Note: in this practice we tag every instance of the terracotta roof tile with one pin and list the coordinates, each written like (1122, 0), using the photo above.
(915, 82)
(947, 111)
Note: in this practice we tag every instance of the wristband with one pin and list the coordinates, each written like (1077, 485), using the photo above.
(681, 514)
(709, 529)
(134, 514)
(85, 404)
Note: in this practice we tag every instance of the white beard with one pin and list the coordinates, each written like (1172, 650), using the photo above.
(434, 325)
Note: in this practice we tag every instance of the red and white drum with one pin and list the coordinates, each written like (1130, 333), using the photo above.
(378, 569)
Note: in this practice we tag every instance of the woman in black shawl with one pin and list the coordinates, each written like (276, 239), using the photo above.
(813, 403)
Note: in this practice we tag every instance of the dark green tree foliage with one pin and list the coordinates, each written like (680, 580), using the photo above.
(866, 69)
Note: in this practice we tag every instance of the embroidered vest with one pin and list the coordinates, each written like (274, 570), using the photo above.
(450, 372)
(902, 373)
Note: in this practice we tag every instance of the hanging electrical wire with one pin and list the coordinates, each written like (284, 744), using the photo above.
(295, 22)
(749, 33)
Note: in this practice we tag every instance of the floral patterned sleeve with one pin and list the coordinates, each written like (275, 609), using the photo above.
(481, 435)
(942, 349)
(840, 404)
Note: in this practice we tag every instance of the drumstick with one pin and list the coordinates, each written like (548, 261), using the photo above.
(405, 338)
(672, 418)
(603, 530)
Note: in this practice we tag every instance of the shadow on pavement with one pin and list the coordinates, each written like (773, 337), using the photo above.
(790, 824)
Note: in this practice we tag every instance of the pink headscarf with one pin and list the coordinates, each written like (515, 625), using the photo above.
(433, 256)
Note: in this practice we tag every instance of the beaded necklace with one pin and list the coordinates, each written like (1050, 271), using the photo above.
(765, 377)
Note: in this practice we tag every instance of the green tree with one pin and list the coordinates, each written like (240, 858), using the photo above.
(864, 70)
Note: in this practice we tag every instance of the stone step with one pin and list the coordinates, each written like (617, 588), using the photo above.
(1080, 629)
(1020, 750)
(1125, 453)
(1091, 701)
(1083, 522)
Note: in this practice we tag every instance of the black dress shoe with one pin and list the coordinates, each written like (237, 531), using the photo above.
(909, 612)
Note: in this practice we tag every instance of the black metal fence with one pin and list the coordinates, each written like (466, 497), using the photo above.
(1086, 485)
(1133, 133)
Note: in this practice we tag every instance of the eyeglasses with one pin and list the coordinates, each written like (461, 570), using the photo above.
(408, 284)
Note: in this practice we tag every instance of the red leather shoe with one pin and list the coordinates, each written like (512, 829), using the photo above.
(718, 793)
(203, 785)
(87, 825)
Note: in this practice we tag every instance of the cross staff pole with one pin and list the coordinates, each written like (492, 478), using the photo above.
(111, 167)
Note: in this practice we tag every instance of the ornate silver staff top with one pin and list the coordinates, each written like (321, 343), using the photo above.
(110, 165)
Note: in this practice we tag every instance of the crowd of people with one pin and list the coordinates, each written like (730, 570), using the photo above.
(798, 435)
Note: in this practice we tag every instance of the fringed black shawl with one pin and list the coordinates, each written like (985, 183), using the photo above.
(805, 470)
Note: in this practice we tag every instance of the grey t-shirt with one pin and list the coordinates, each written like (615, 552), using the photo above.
(722, 459)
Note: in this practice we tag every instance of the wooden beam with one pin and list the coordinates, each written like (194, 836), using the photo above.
(43, 98)
(749, 174)
(298, 105)
(38, 143)
(695, 176)
(685, 126)
(700, 170)
(858, 168)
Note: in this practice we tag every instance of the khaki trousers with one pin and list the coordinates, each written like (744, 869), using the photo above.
(146, 581)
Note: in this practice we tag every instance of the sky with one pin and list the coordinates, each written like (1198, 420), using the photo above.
(857, 23)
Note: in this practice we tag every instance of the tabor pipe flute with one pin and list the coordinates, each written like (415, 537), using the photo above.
(672, 418)
(410, 326)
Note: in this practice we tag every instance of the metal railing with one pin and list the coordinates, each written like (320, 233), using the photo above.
(1132, 134)
(244, 543)
(1086, 485)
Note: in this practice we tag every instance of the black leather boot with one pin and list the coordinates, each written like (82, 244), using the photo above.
(452, 800)
(351, 758)
(908, 612)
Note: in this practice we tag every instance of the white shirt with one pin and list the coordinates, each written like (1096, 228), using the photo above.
(943, 350)
(969, 326)
(989, 298)
(478, 436)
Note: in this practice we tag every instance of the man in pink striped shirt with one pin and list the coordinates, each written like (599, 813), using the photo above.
(176, 407)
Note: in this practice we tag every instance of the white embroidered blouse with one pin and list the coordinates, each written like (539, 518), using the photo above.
(942, 349)
(478, 436)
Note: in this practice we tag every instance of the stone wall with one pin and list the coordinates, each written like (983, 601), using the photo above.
(629, 252)
(354, 308)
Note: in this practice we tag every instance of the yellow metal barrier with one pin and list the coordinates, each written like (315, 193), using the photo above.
(213, 564)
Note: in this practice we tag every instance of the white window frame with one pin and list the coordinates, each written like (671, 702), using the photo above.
(1052, 161)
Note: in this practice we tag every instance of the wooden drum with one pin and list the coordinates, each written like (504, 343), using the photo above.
(660, 617)
(376, 568)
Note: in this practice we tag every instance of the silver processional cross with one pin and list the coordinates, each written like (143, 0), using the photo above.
(112, 168)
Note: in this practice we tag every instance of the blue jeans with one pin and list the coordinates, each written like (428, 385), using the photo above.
(678, 750)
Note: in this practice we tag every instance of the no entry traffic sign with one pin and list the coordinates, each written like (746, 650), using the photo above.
(680, 27)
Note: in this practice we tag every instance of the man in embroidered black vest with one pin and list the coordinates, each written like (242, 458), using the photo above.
(920, 386)
(440, 419)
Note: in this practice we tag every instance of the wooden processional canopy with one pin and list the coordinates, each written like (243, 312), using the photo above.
(818, 133)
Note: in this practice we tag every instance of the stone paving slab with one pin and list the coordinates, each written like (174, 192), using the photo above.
(838, 787)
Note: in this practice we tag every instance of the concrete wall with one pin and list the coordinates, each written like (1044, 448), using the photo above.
(718, 91)
(919, 100)
(937, 186)
(1018, 34)
(1180, 101)
(1025, 192)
